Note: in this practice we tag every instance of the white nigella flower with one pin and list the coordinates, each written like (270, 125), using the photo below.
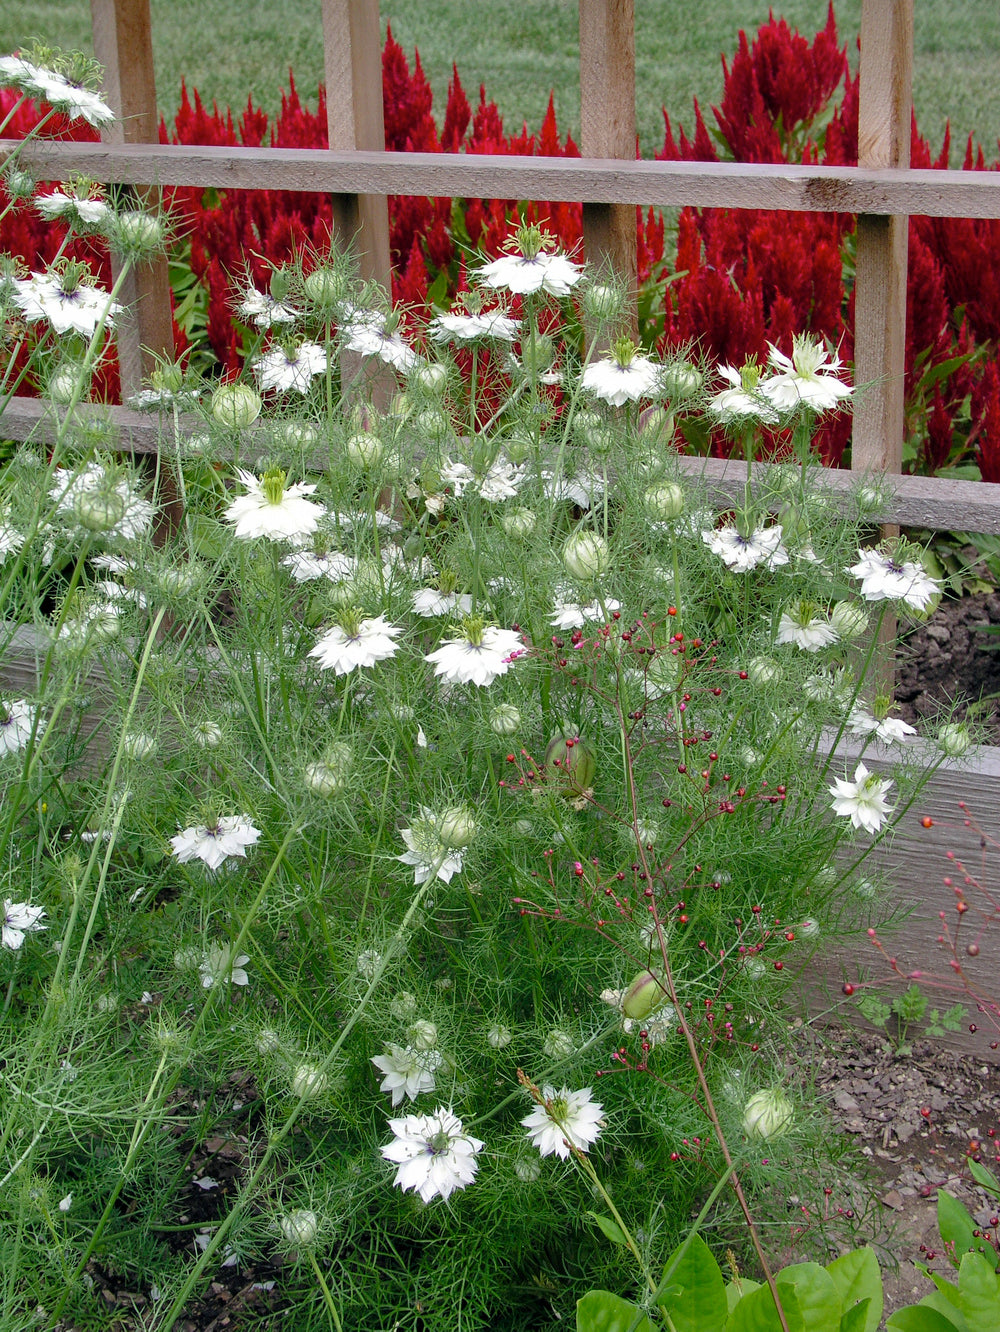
(502, 481)
(745, 401)
(19, 919)
(434, 1154)
(306, 565)
(72, 99)
(408, 1072)
(529, 272)
(273, 510)
(429, 602)
(471, 327)
(622, 377)
(478, 655)
(82, 213)
(807, 379)
(11, 539)
(886, 729)
(567, 1119)
(427, 852)
(97, 501)
(369, 333)
(290, 366)
(65, 300)
(863, 800)
(800, 625)
(886, 578)
(355, 642)
(16, 721)
(742, 553)
(219, 967)
(261, 308)
(229, 835)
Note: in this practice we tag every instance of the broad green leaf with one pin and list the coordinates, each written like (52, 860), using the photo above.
(736, 1290)
(979, 1293)
(983, 1177)
(612, 1230)
(816, 1295)
(600, 1311)
(701, 1305)
(945, 1287)
(956, 1227)
(756, 1312)
(918, 1318)
(857, 1278)
(856, 1317)
(945, 1302)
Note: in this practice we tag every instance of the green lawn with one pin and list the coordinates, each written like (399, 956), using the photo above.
(231, 49)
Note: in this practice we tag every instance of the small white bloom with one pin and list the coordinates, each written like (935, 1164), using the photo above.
(622, 378)
(863, 800)
(272, 510)
(75, 101)
(742, 553)
(83, 214)
(502, 481)
(290, 367)
(366, 333)
(886, 729)
(70, 305)
(434, 1154)
(426, 851)
(265, 311)
(522, 274)
(307, 565)
(429, 602)
(567, 1119)
(885, 578)
(408, 1071)
(360, 643)
(219, 967)
(807, 379)
(19, 919)
(478, 655)
(230, 835)
(568, 615)
(810, 632)
(744, 402)
(471, 327)
(16, 722)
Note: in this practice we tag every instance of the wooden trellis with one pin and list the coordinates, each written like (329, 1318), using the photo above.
(882, 191)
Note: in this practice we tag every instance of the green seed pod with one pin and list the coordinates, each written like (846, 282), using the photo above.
(572, 761)
(644, 994)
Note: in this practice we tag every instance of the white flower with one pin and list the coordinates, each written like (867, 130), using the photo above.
(808, 379)
(408, 1072)
(16, 721)
(477, 656)
(219, 967)
(290, 367)
(522, 274)
(502, 481)
(366, 333)
(743, 402)
(66, 1203)
(82, 213)
(567, 1119)
(742, 553)
(265, 311)
(70, 305)
(429, 602)
(863, 800)
(356, 643)
(306, 565)
(884, 578)
(469, 327)
(11, 539)
(807, 631)
(434, 1154)
(624, 377)
(886, 729)
(72, 99)
(19, 919)
(228, 836)
(568, 615)
(270, 509)
(427, 852)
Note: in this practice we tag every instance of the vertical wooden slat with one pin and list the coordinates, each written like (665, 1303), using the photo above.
(124, 46)
(607, 123)
(353, 67)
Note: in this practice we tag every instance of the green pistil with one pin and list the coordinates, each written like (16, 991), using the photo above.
(448, 582)
(881, 707)
(530, 241)
(473, 627)
(750, 376)
(280, 284)
(440, 1143)
(557, 1109)
(624, 350)
(72, 276)
(272, 483)
(350, 621)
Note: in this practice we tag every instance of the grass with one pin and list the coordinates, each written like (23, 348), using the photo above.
(230, 51)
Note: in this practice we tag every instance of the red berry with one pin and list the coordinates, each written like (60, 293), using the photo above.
(848, 989)
(927, 821)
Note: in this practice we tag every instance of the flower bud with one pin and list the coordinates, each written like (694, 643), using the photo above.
(953, 739)
(504, 719)
(138, 233)
(865, 889)
(764, 670)
(403, 1006)
(67, 383)
(519, 522)
(137, 745)
(498, 1037)
(602, 302)
(768, 1113)
(99, 510)
(422, 1034)
(456, 826)
(308, 1082)
(586, 555)
(168, 378)
(325, 286)
(537, 353)
(364, 450)
(644, 994)
(558, 1044)
(808, 928)
(572, 762)
(267, 1041)
(207, 734)
(849, 619)
(665, 500)
(236, 405)
(680, 380)
(299, 1227)
(657, 426)
(528, 1168)
(431, 378)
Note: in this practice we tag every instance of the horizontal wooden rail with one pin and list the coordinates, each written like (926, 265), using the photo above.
(937, 503)
(888, 192)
